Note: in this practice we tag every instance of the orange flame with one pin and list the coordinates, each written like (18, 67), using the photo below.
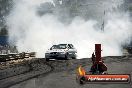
(81, 71)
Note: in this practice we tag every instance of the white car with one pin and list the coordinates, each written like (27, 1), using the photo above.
(61, 51)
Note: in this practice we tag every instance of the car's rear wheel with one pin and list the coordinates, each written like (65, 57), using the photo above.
(74, 56)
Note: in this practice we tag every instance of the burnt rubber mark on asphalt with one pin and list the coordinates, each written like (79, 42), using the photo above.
(14, 82)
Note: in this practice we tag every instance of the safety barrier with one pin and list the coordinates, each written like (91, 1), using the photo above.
(16, 56)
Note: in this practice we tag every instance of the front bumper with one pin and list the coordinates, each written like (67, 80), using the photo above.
(54, 56)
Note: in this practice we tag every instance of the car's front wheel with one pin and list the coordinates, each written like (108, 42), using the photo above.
(66, 56)
(47, 59)
(74, 57)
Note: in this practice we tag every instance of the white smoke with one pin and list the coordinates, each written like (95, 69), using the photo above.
(32, 32)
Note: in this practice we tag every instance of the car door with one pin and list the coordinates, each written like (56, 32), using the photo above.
(71, 50)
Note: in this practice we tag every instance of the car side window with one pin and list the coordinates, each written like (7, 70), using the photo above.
(70, 46)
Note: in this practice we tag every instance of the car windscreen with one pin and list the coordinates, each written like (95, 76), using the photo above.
(60, 46)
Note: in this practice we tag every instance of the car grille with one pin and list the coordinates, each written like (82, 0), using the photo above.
(54, 53)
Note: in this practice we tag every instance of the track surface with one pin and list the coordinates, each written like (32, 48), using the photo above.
(63, 74)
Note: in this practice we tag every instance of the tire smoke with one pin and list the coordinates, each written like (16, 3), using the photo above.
(31, 32)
